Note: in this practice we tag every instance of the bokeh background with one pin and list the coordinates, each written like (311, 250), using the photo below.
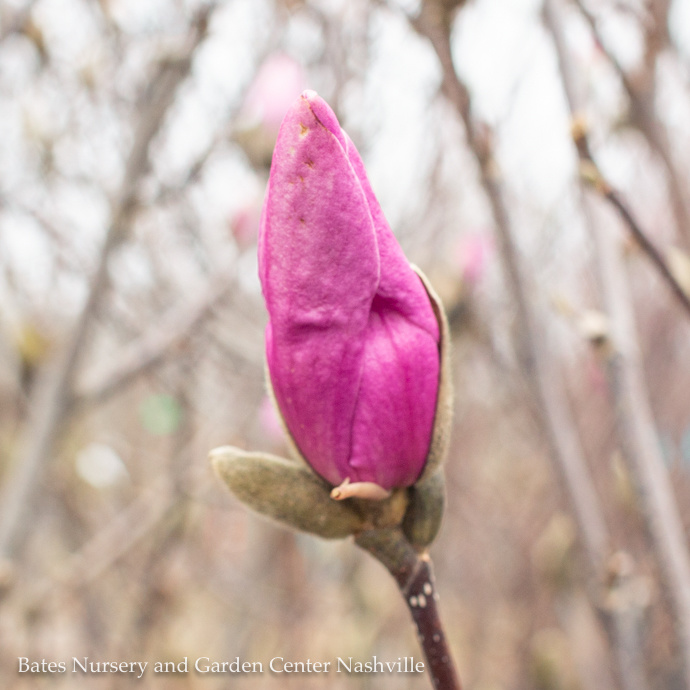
(136, 139)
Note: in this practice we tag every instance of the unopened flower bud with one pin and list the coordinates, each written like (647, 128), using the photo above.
(353, 343)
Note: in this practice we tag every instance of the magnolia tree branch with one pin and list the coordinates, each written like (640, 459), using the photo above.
(414, 576)
(641, 89)
(636, 429)
(648, 125)
(591, 174)
(648, 247)
(53, 402)
(152, 348)
(157, 504)
(625, 621)
(658, 37)
(537, 359)
(126, 531)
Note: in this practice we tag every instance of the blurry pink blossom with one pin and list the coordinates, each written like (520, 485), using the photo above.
(244, 224)
(473, 254)
(279, 81)
(596, 376)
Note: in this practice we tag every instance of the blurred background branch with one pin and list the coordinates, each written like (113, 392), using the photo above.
(20, 490)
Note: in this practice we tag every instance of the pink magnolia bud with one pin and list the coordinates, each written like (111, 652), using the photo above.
(352, 342)
(277, 83)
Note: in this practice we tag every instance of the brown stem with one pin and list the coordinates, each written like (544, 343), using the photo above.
(641, 88)
(532, 347)
(151, 348)
(592, 174)
(652, 252)
(637, 433)
(414, 575)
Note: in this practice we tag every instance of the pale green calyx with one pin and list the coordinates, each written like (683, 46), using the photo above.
(295, 496)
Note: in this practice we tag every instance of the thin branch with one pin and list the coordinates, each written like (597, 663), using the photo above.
(535, 354)
(637, 434)
(658, 37)
(171, 191)
(651, 251)
(591, 174)
(641, 89)
(21, 487)
(134, 523)
(107, 546)
(152, 348)
(590, 170)
(535, 357)
(413, 574)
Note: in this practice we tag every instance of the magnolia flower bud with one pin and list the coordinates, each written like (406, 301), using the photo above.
(354, 338)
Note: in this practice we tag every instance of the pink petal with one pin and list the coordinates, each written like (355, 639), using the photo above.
(352, 341)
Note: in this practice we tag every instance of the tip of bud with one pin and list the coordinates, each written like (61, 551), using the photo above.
(322, 113)
(223, 454)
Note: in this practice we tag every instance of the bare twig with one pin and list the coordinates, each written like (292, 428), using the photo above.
(52, 405)
(592, 175)
(132, 525)
(163, 500)
(641, 90)
(537, 360)
(413, 574)
(150, 349)
(170, 191)
(534, 354)
(636, 429)
(649, 248)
